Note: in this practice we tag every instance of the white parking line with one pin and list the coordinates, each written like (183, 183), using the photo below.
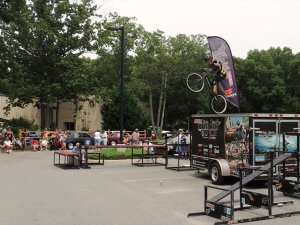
(161, 178)
(172, 191)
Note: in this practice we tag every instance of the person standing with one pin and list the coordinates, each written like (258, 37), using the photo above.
(97, 138)
(135, 137)
(181, 147)
(153, 135)
(3, 133)
(103, 137)
(10, 135)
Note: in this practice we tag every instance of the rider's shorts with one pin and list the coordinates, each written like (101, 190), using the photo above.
(218, 79)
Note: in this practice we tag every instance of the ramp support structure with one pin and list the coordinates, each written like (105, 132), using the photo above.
(248, 199)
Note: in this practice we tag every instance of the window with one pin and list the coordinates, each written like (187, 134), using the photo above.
(84, 135)
(69, 125)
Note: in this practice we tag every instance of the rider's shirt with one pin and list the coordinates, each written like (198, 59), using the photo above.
(219, 70)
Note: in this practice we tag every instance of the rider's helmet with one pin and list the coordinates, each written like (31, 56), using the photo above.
(207, 56)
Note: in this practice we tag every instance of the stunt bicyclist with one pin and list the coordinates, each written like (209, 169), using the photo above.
(220, 71)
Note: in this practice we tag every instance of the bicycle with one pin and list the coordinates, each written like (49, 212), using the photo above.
(195, 83)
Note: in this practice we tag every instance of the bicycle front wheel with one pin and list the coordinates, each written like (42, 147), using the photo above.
(218, 104)
(195, 82)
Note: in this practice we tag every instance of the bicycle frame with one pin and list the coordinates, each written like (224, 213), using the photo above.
(208, 83)
(216, 98)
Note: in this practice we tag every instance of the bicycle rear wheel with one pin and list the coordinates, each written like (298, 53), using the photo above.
(218, 104)
(195, 82)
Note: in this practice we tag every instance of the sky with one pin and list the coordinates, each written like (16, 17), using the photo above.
(244, 24)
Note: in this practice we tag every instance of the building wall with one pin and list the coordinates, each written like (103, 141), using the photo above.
(30, 112)
(88, 118)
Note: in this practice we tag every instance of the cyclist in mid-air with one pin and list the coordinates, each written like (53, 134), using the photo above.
(217, 67)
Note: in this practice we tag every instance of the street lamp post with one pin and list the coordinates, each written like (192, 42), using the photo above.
(122, 37)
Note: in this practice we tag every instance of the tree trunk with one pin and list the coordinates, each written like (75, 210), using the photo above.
(159, 109)
(43, 117)
(57, 115)
(151, 109)
(164, 103)
(51, 118)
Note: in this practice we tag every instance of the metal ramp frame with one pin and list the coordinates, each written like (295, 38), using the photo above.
(286, 186)
(248, 199)
(250, 177)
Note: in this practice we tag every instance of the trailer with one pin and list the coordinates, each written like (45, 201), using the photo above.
(223, 143)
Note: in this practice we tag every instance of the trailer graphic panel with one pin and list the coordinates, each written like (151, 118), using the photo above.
(233, 140)
(208, 134)
(236, 140)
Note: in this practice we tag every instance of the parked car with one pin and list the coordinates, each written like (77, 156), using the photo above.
(172, 142)
(114, 137)
(165, 133)
(81, 137)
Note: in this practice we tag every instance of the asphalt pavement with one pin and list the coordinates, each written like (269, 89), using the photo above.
(34, 192)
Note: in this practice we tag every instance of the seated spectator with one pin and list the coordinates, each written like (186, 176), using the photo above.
(35, 145)
(125, 139)
(44, 144)
(75, 160)
(77, 147)
(7, 146)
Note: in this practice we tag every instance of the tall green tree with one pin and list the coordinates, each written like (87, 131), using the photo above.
(268, 81)
(42, 47)
(9, 9)
(187, 56)
(106, 71)
(151, 68)
(162, 65)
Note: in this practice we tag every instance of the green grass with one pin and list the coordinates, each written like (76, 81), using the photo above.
(112, 153)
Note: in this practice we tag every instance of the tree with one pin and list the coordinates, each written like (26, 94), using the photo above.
(9, 9)
(133, 114)
(268, 81)
(187, 56)
(162, 65)
(151, 69)
(105, 70)
(42, 48)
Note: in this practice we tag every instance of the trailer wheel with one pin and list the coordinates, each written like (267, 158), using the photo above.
(216, 174)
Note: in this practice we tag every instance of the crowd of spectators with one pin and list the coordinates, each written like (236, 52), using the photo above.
(42, 141)
(36, 141)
